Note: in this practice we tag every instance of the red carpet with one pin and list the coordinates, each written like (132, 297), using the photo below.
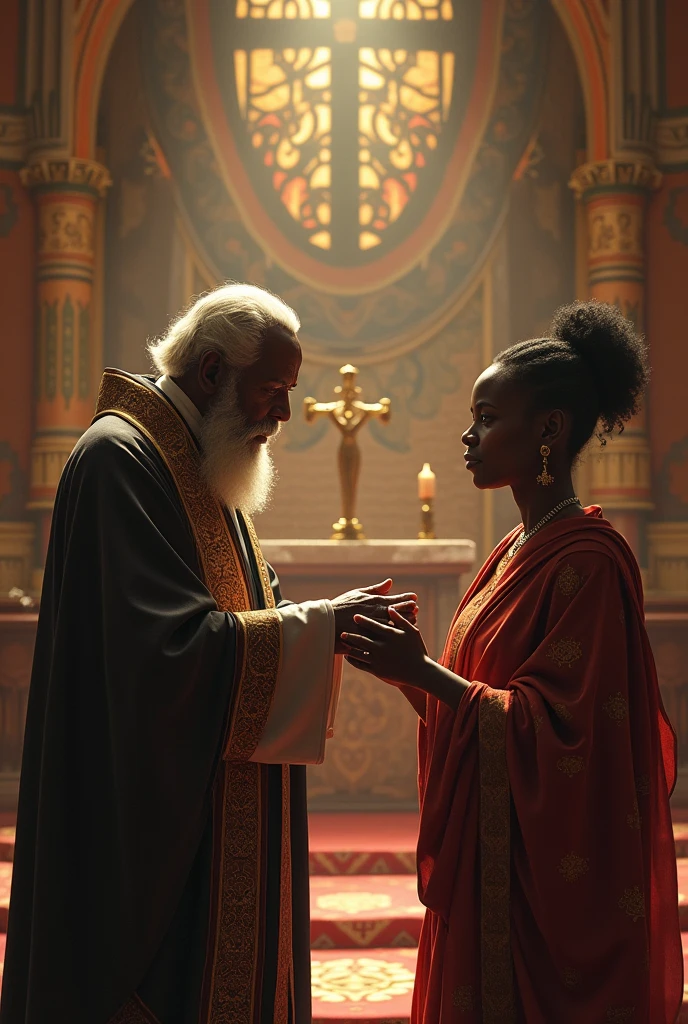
(363, 844)
(365, 914)
(362, 911)
(374, 987)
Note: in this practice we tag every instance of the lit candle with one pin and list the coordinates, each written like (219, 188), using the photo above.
(426, 483)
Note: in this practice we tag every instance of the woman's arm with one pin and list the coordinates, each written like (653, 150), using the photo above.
(397, 654)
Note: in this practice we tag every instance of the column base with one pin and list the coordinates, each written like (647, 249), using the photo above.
(668, 550)
(48, 457)
(16, 556)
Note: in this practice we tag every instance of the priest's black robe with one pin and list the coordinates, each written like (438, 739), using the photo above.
(136, 805)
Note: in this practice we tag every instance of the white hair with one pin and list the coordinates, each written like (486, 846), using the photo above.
(231, 320)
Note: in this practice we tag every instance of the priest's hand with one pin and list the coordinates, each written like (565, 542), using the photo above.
(375, 603)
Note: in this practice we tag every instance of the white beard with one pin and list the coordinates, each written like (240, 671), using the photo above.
(237, 468)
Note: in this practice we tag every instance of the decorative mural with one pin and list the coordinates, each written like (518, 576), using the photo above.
(415, 382)
(389, 274)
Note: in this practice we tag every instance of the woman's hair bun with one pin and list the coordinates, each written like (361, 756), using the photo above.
(613, 352)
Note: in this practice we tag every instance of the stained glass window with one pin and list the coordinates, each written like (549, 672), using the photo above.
(344, 103)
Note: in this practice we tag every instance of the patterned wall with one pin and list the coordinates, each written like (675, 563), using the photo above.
(420, 340)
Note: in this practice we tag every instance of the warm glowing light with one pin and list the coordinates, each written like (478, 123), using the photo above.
(367, 240)
(411, 10)
(280, 95)
(284, 97)
(278, 9)
(400, 116)
(427, 482)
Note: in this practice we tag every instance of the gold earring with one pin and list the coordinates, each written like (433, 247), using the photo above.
(545, 478)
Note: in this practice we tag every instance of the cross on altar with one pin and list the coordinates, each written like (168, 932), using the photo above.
(349, 414)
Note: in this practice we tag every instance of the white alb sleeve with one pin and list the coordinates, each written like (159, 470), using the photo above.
(307, 690)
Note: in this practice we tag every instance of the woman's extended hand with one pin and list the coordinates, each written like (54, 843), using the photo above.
(395, 652)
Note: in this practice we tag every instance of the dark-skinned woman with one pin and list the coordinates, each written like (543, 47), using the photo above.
(545, 857)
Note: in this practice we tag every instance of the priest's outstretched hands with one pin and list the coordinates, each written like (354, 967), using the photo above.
(374, 604)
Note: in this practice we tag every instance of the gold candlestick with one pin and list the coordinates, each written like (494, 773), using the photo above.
(349, 414)
(426, 492)
(427, 521)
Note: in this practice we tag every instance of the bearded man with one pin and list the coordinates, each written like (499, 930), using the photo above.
(161, 856)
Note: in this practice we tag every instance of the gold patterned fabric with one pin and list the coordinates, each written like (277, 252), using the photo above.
(470, 611)
(495, 861)
(532, 797)
(233, 972)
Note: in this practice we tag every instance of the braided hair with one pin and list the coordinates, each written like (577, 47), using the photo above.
(593, 365)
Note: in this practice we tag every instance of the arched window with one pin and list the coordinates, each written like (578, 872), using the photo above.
(342, 107)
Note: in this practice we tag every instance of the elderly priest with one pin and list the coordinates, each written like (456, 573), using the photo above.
(160, 866)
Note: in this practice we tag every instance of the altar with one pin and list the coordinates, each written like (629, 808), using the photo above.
(370, 762)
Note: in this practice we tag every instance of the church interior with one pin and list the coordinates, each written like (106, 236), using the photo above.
(424, 182)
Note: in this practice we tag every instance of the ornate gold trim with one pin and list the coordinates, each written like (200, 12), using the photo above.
(268, 595)
(232, 965)
(122, 395)
(495, 861)
(259, 648)
(634, 173)
(82, 174)
(285, 959)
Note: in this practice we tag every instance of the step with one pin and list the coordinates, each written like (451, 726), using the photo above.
(7, 834)
(683, 1015)
(5, 886)
(363, 911)
(682, 870)
(363, 988)
(681, 838)
(362, 844)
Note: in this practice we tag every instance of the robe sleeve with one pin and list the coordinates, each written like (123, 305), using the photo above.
(306, 693)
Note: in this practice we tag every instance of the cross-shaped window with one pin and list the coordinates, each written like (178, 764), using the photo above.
(344, 104)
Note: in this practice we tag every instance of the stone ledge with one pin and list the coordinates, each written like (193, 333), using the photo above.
(453, 557)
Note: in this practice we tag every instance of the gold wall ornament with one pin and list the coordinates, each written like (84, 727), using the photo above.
(349, 414)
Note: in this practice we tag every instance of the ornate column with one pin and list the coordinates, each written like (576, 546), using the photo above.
(67, 192)
(615, 193)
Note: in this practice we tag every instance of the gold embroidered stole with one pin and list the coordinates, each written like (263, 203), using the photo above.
(497, 985)
(233, 973)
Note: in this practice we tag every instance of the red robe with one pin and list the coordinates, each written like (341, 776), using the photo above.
(546, 856)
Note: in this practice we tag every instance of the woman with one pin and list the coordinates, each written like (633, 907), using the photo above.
(545, 855)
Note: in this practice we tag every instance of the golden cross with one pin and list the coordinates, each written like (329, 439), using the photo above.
(349, 414)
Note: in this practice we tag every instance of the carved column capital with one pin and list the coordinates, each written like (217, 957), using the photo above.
(671, 140)
(633, 174)
(74, 172)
